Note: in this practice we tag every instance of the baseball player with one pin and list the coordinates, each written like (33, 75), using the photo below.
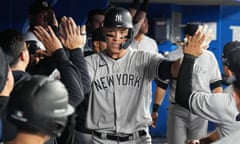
(72, 38)
(6, 81)
(228, 48)
(181, 124)
(120, 96)
(220, 108)
(37, 123)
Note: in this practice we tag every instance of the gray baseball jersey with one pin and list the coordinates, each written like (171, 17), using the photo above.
(219, 108)
(121, 91)
(205, 72)
(146, 44)
(231, 139)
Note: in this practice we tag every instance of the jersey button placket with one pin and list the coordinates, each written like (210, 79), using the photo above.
(116, 95)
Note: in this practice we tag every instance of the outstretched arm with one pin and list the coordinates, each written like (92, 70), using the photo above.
(69, 72)
(213, 136)
(74, 38)
(159, 96)
(184, 82)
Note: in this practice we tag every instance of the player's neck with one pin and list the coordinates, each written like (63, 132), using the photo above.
(118, 55)
(139, 37)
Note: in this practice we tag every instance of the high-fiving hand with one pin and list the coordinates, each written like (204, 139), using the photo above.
(71, 35)
(194, 43)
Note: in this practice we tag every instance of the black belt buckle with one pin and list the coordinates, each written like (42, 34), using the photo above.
(120, 138)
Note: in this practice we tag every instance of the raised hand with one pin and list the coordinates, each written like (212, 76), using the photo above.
(194, 43)
(209, 36)
(71, 35)
(48, 38)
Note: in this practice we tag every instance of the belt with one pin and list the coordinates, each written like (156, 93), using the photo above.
(119, 138)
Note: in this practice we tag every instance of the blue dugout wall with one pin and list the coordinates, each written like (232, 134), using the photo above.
(14, 12)
(14, 15)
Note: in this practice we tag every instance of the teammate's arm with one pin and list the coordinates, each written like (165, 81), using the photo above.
(158, 98)
(216, 87)
(184, 80)
(213, 136)
(217, 90)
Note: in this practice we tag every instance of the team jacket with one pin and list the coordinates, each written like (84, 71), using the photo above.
(219, 108)
(120, 95)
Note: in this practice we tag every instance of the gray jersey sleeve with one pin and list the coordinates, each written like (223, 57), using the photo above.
(218, 108)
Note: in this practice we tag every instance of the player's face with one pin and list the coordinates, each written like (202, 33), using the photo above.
(42, 18)
(97, 21)
(144, 26)
(115, 37)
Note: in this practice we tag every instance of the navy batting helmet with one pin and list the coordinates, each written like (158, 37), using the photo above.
(120, 18)
(39, 105)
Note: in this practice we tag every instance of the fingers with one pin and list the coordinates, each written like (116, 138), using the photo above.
(83, 30)
(71, 35)
(48, 38)
(43, 34)
(40, 32)
(71, 26)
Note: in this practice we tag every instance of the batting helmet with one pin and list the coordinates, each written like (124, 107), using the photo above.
(39, 105)
(120, 18)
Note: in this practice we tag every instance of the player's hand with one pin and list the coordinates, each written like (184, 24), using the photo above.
(209, 36)
(154, 119)
(194, 43)
(193, 141)
(71, 35)
(48, 38)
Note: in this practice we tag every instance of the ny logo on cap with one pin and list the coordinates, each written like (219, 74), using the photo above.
(118, 18)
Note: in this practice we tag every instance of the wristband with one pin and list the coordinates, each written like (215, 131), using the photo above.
(155, 107)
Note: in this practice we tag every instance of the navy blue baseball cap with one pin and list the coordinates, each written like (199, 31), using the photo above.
(4, 69)
(38, 6)
(229, 47)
